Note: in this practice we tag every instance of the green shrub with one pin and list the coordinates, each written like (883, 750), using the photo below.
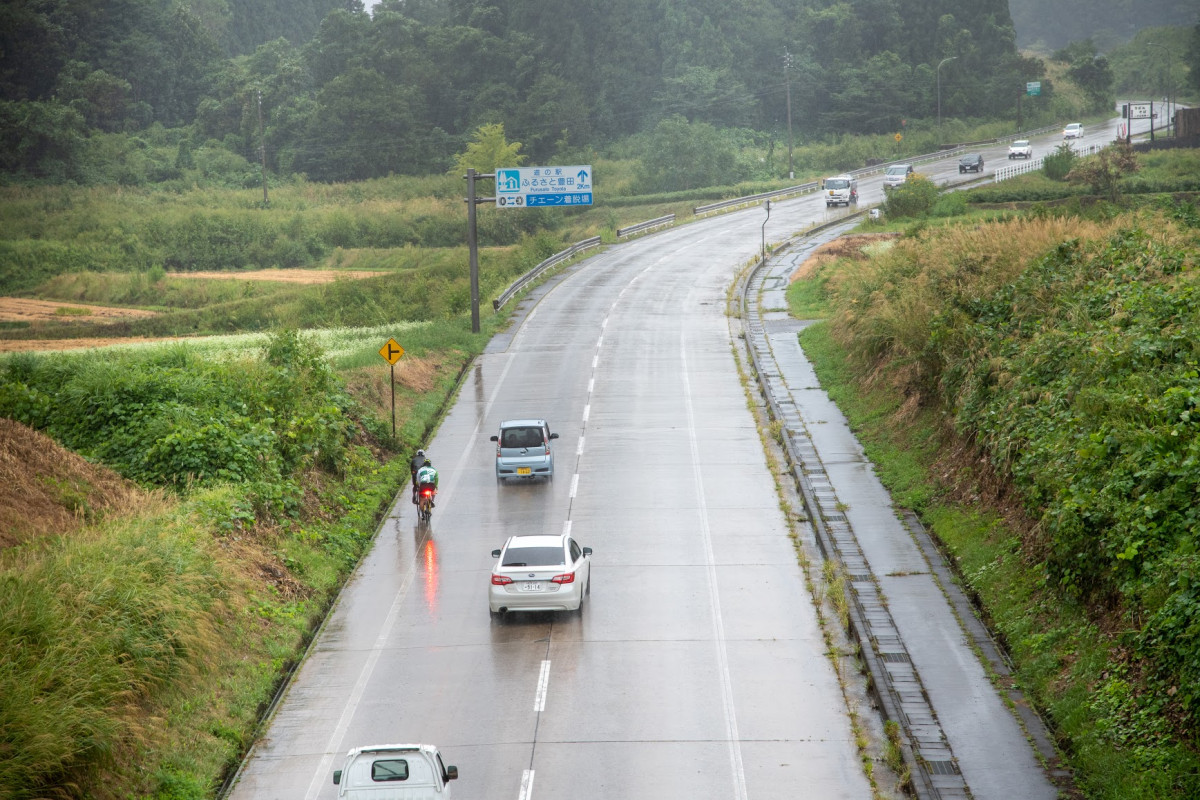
(950, 204)
(913, 198)
(1058, 164)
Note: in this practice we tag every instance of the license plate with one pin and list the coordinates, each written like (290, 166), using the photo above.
(524, 470)
(532, 587)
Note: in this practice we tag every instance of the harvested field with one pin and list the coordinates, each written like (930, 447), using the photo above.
(20, 309)
(283, 275)
(40, 345)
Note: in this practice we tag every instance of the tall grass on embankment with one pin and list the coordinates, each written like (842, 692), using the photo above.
(137, 653)
(1031, 388)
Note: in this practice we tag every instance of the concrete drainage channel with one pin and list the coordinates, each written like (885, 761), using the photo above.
(895, 684)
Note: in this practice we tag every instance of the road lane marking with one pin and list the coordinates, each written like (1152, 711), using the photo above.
(587, 410)
(574, 485)
(579, 447)
(735, 749)
(526, 785)
(595, 360)
(539, 699)
(600, 342)
(333, 748)
(591, 385)
(567, 528)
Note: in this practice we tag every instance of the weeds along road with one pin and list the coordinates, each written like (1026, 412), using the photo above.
(696, 669)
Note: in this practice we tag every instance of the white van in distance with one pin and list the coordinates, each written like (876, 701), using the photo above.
(393, 771)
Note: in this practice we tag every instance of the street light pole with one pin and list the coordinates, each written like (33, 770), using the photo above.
(939, 84)
(787, 65)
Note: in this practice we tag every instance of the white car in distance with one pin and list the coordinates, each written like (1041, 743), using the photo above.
(1073, 131)
(540, 573)
(1021, 148)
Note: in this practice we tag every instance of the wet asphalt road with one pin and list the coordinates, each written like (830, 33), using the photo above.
(697, 668)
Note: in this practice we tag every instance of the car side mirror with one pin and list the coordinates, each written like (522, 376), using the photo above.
(495, 439)
(495, 554)
(451, 773)
(554, 436)
(337, 777)
(587, 551)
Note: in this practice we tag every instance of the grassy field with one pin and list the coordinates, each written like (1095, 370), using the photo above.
(1022, 384)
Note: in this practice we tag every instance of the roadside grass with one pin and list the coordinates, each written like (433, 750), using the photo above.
(1078, 662)
(1061, 660)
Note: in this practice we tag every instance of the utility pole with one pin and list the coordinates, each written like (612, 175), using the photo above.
(787, 77)
(262, 150)
(473, 241)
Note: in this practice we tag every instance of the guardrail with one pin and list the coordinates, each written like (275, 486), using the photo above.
(802, 188)
(648, 225)
(552, 261)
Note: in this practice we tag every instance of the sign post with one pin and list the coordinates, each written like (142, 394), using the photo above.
(391, 353)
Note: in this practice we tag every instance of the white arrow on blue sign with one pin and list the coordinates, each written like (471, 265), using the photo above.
(517, 187)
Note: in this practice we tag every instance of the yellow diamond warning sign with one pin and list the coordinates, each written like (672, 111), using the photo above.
(391, 351)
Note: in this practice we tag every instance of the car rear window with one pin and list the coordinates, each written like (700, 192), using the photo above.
(521, 437)
(533, 557)
(389, 769)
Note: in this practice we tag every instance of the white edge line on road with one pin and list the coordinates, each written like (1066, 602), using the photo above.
(539, 699)
(574, 485)
(595, 361)
(360, 686)
(735, 747)
(579, 447)
(587, 410)
(600, 342)
(526, 785)
(591, 385)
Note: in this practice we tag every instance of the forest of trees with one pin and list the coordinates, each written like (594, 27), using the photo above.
(1051, 24)
(345, 94)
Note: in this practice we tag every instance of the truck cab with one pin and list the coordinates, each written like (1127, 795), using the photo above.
(394, 772)
(840, 189)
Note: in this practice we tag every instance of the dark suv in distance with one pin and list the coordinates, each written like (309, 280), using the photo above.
(972, 162)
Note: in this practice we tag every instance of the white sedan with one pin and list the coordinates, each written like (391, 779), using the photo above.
(540, 573)
(1073, 131)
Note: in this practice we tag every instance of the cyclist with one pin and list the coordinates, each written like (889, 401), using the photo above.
(415, 464)
(427, 476)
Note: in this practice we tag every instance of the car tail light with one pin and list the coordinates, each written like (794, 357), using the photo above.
(501, 580)
(565, 578)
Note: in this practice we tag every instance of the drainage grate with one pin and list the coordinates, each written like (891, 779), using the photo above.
(859, 578)
(942, 768)
(895, 658)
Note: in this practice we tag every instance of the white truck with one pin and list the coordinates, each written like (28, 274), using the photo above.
(840, 189)
(394, 772)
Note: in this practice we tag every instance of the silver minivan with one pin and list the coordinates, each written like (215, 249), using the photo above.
(896, 174)
(523, 449)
